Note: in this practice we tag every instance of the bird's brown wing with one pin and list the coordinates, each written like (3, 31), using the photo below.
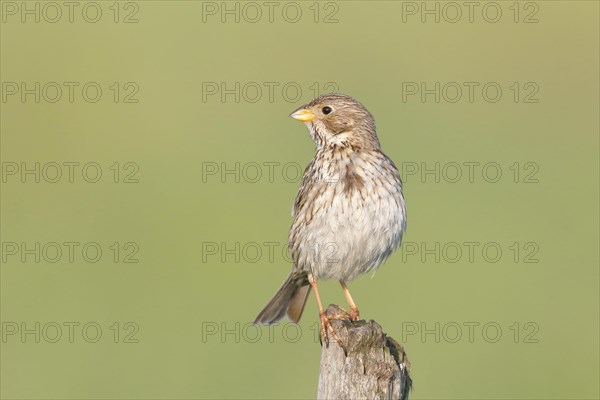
(301, 195)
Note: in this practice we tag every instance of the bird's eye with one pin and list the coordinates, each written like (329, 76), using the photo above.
(326, 110)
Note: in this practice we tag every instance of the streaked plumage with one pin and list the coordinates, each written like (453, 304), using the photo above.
(349, 214)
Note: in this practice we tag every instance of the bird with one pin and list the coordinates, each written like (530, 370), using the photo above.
(349, 214)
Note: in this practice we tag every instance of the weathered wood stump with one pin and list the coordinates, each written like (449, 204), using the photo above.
(368, 365)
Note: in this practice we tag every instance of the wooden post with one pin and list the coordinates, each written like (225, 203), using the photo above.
(369, 365)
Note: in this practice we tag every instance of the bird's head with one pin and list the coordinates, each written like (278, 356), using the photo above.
(336, 119)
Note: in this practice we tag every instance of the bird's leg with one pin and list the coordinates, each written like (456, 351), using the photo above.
(354, 314)
(325, 319)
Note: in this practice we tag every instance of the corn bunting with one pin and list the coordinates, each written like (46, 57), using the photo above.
(349, 214)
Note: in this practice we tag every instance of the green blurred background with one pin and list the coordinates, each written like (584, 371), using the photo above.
(192, 294)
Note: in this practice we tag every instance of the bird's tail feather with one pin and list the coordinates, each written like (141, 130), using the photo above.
(288, 301)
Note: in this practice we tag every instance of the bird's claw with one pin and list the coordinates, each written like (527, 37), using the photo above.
(354, 314)
(326, 327)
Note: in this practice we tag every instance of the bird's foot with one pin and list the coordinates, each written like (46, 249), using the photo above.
(327, 327)
(352, 315)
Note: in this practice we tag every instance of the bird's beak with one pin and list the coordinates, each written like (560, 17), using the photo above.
(303, 115)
